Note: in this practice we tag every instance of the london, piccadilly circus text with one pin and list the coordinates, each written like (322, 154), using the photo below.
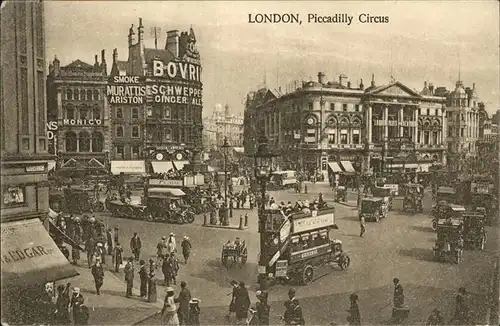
(313, 18)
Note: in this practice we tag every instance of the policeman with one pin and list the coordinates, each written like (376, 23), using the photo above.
(293, 311)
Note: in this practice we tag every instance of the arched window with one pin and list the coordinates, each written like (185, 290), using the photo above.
(77, 94)
(96, 95)
(89, 95)
(84, 142)
(70, 112)
(70, 141)
(119, 131)
(84, 112)
(69, 94)
(97, 142)
(96, 113)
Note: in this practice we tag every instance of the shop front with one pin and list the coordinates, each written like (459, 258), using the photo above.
(30, 260)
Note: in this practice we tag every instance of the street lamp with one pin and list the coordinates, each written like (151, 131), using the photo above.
(263, 163)
(225, 149)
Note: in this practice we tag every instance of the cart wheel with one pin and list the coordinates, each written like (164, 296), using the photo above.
(307, 275)
(344, 262)
(190, 217)
(434, 225)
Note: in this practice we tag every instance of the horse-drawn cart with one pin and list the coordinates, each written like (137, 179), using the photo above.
(234, 253)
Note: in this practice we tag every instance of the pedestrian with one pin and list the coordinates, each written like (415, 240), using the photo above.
(233, 299)
(183, 300)
(144, 275)
(262, 308)
(241, 302)
(169, 311)
(461, 316)
(435, 318)
(293, 310)
(186, 248)
(62, 305)
(109, 241)
(81, 313)
(399, 298)
(135, 246)
(115, 235)
(129, 276)
(354, 317)
(194, 312)
(90, 248)
(75, 254)
(362, 225)
(100, 252)
(117, 256)
(305, 189)
(152, 296)
(76, 301)
(98, 274)
(161, 250)
(175, 267)
(171, 244)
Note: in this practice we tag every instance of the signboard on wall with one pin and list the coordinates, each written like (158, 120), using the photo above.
(314, 222)
(126, 90)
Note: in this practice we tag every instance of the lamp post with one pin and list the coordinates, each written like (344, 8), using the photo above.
(225, 147)
(263, 162)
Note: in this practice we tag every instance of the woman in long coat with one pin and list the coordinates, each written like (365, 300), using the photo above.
(152, 296)
(169, 312)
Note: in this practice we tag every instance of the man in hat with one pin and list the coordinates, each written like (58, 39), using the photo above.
(186, 248)
(109, 241)
(194, 312)
(129, 276)
(76, 301)
(399, 297)
(183, 300)
(354, 317)
(98, 274)
(262, 308)
(135, 246)
(100, 252)
(293, 311)
(90, 249)
(171, 244)
(241, 302)
(115, 235)
(161, 250)
(144, 275)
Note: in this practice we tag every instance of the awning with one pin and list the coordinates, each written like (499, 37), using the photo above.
(128, 167)
(334, 166)
(347, 166)
(170, 191)
(63, 236)
(162, 166)
(179, 165)
(30, 256)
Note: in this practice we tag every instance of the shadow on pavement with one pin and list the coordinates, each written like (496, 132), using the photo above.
(422, 228)
(214, 271)
(419, 253)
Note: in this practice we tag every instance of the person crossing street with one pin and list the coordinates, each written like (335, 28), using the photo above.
(98, 274)
(129, 276)
(186, 248)
(135, 246)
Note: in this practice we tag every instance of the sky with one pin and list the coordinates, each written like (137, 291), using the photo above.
(430, 41)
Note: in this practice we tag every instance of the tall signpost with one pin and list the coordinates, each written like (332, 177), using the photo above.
(225, 148)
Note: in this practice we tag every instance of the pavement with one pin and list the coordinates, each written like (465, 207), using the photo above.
(398, 246)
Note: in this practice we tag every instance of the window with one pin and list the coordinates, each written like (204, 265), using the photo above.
(136, 150)
(344, 107)
(343, 136)
(426, 137)
(84, 113)
(96, 113)
(135, 113)
(84, 142)
(435, 138)
(356, 107)
(332, 106)
(89, 95)
(135, 132)
(167, 135)
(97, 142)
(119, 113)
(310, 106)
(428, 111)
(119, 132)
(14, 196)
(96, 95)
(355, 137)
(69, 94)
(70, 141)
(70, 112)
(462, 132)
(77, 94)
(120, 151)
(331, 138)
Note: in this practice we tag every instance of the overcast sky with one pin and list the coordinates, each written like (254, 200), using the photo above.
(423, 41)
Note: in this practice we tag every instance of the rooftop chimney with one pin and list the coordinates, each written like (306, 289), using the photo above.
(361, 85)
(431, 88)
(321, 77)
(343, 80)
(348, 84)
(172, 44)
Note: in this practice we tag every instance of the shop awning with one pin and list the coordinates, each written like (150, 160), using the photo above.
(334, 166)
(162, 166)
(179, 165)
(30, 256)
(128, 167)
(347, 165)
(169, 191)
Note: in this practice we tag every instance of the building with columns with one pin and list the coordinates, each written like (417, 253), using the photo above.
(227, 125)
(337, 126)
(78, 106)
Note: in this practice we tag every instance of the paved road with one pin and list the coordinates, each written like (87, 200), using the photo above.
(399, 246)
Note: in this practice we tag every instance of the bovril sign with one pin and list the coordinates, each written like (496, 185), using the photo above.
(174, 69)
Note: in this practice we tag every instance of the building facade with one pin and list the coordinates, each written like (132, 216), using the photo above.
(335, 125)
(78, 106)
(227, 125)
(157, 106)
(487, 143)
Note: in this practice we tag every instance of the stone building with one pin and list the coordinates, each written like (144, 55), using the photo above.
(337, 126)
(227, 125)
(78, 105)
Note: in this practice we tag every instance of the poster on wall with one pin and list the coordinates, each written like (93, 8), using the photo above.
(13, 196)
